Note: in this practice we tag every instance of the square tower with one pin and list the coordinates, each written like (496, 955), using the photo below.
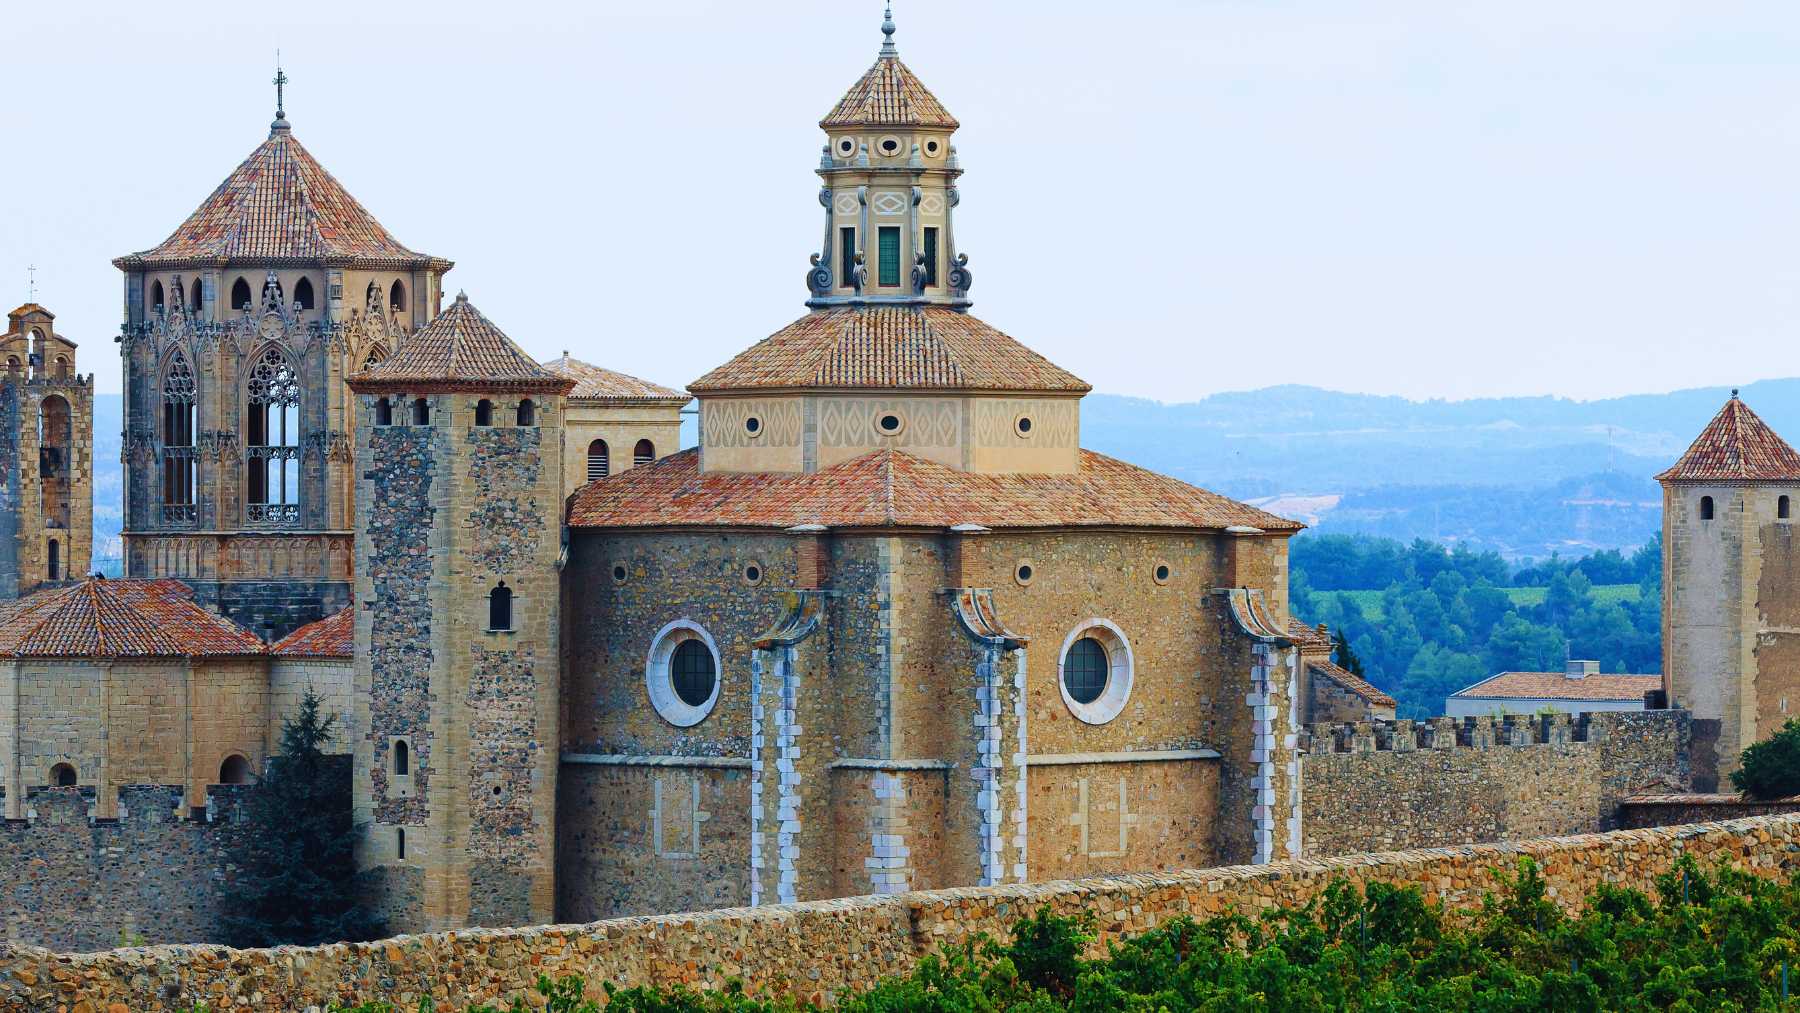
(46, 457)
(459, 451)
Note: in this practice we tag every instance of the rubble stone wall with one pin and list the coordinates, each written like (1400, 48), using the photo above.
(820, 949)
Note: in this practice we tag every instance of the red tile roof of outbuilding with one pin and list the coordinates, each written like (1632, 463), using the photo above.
(331, 637)
(100, 618)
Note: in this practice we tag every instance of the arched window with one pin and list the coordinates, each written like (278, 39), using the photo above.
(62, 367)
(644, 453)
(240, 295)
(13, 365)
(1706, 508)
(500, 607)
(53, 561)
(235, 770)
(527, 413)
(55, 452)
(63, 776)
(1781, 508)
(272, 438)
(397, 297)
(384, 412)
(598, 463)
(196, 295)
(400, 843)
(156, 295)
(484, 412)
(303, 295)
(178, 441)
(421, 412)
(402, 759)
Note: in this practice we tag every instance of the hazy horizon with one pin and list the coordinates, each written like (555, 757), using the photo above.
(1171, 200)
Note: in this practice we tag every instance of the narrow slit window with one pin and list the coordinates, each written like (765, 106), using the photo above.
(527, 413)
(384, 412)
(931, 256)
(500, 603)
(421, 412)
(484, 412)
(846, 257)
(402, 759)
(1706, 508)
(1781, 508)
(889, 239)
(55, 560)
(400, 842)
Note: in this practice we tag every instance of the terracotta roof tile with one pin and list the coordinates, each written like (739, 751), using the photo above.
(1557, 686)
(889, 95)
(908, 347)
(460, 348)
(890, 488)
(1736, 446)
(1311, 639)
(102, 618)
(1353, 683)
(280, 205)
(331, 637)
(592, 383)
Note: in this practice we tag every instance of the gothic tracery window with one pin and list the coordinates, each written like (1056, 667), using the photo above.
(272, 437)
(178, 441)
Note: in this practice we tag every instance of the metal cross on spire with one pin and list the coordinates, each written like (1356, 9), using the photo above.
(280, 82)
(31, 282)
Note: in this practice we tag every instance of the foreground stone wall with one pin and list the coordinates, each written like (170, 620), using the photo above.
(1446, 782)
(819, 949)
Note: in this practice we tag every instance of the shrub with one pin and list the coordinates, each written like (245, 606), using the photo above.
(1771, 768)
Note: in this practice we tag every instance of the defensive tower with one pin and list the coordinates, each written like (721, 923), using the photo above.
(46, 456)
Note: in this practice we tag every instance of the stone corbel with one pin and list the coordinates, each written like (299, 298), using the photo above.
(801, 614)
(976, 614)
(1251, 614)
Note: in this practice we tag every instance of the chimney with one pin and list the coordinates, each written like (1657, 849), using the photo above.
(1580, 669)
(963, 569)
(809, 556)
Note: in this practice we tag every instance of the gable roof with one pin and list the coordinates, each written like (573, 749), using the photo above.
(891, 347)
(889, 95)
(459, 349)
(593, 383)
(280, 205)
(891, 488)
(331, 637)
(1736, 446)
(1310, 639)
(1557, 686)
(100, 618)
(1351, 682)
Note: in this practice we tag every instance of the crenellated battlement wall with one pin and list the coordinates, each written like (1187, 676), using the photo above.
(1449, 781)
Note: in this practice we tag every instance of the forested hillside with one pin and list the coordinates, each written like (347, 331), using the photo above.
(1423, 621)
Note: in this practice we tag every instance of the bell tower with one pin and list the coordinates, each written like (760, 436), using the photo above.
(459, 451)
(46, 456)
(889, 171)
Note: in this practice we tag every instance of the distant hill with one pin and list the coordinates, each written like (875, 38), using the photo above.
(1522, 476)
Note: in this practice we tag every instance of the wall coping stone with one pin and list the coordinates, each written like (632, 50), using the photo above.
(632, 760)
(1128, 756)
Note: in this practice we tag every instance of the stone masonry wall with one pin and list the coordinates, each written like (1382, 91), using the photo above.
(1423, 785)
(818, 950)
(1637, 811)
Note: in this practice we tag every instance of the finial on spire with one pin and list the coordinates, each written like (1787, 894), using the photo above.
(31, 283)
(887, 31)
(1734, 391)
(280, 83)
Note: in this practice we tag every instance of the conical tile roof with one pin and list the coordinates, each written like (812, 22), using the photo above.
(889, 95)
(281, 206)
(594, 383)
(1736, 446)
(460, 349)
(100, 618)
(890, 347)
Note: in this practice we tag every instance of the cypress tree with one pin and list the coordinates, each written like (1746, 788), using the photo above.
(1343, 656)
(296, 880)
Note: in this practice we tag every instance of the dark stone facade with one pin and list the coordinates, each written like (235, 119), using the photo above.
(272, 609)
(11, 497)
(402, 469)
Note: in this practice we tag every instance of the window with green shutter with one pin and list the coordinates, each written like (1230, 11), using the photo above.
(930, 257)
(890, 255)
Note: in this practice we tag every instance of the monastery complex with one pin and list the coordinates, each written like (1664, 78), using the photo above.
(888, 627)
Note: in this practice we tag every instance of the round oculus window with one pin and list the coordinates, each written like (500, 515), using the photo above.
(890, 145)
(1095, 672)
(932, 147)
(753, 574)
(618, 573)
(889, 423)
(1024, 573)
(1161, 574)
(753, 425)
(846, 146)
(1022, 425)
(681, 674)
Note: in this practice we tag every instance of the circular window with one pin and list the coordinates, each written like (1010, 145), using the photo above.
(753, 574)
(846, 146)
(1095, 672)
(889, 423)
(890, 145)
(1022, 425)
(1161, 574)
(682, 674)
(1024, 572)
(753, 425)
(618, 573)
(932, 146)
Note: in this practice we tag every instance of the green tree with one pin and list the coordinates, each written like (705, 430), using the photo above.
(1771, 768)
(297, 879)
(1341, 653)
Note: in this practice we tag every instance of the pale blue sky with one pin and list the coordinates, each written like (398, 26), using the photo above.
(1420, 197)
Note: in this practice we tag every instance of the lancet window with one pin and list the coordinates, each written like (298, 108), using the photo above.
(178, 442)
(272, 439)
